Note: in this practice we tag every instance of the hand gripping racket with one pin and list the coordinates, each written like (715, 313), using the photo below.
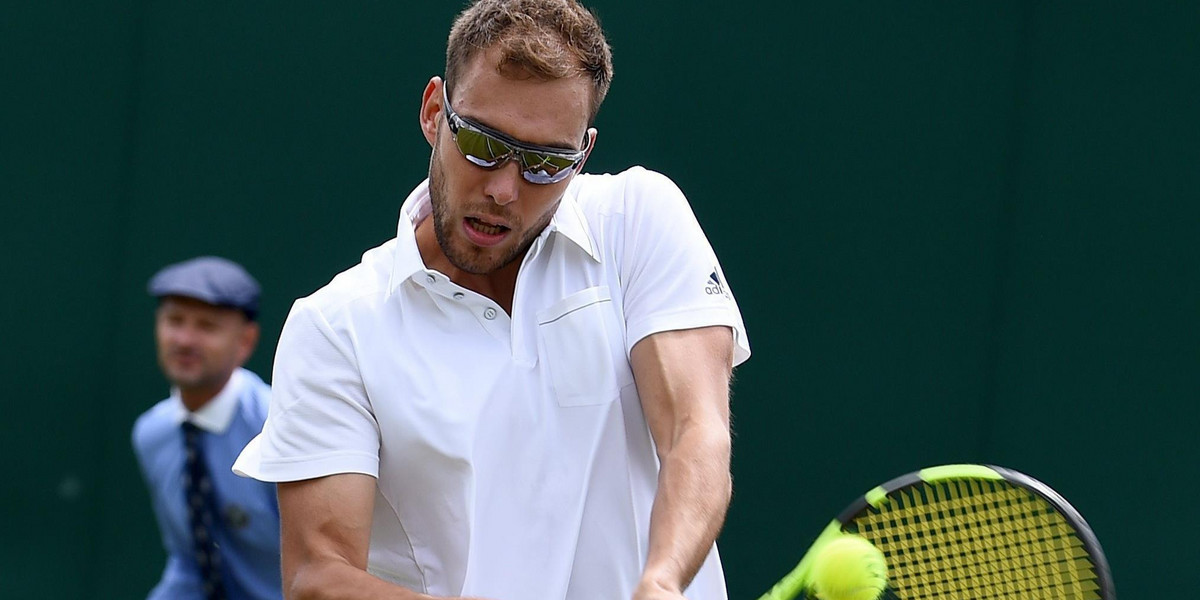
(969, 532)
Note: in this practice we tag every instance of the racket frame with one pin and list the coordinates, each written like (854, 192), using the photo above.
(800, 578)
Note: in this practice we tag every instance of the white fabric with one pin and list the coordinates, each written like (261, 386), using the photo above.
(216, 414)
(512, 456)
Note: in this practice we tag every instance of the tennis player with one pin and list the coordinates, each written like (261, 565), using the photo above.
(524, 395)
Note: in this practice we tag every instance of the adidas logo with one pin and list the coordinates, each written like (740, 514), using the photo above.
(714, 287)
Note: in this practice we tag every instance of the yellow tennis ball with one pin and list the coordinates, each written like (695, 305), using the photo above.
(849, 568)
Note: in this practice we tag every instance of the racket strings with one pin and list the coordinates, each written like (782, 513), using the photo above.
(1002, 557)
(1004, 552)
(978, 539)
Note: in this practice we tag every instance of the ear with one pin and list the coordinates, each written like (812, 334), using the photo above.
(431, 109)
(591, 134)
(247, 341)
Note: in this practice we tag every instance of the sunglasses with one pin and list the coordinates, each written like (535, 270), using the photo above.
(489, 149)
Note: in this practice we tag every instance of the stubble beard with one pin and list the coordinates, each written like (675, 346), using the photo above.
(466, 256)
(205, 376)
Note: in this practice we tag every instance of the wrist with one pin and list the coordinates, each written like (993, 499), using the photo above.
(653, 582)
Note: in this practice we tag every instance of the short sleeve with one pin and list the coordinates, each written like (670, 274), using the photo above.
(320, 420)
(671, 278)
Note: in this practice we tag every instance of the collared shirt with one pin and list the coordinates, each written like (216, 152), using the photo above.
(247, 535)
(216, 414)
(512, 455)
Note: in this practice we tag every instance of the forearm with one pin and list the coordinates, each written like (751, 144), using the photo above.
(694, 489)
(325, 536)
(334, 580)
(342, 581)
(683, 380)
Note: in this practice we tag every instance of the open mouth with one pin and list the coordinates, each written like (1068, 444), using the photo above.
(484, 227)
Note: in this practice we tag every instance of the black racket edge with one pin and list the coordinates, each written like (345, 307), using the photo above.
(1086, 535)
(1090, 541)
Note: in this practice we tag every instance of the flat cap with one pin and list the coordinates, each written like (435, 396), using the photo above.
(210, 279)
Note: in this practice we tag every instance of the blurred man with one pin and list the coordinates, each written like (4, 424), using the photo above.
(220, 531)
(481, 407)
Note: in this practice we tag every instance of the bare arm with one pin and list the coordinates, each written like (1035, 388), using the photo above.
(326, 531)
(683, 380)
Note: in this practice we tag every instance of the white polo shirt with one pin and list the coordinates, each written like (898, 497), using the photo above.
(512, 456)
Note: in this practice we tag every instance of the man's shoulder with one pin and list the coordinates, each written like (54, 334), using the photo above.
(614, 193)
(635, 202)
(154, 426)
(255, 398)
(361, 283)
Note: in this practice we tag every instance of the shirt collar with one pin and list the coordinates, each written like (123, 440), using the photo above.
(216, 415)
(408, 258)
(567, 221)
(570, 222)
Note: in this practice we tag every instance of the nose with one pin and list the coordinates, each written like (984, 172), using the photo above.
(183, 336)
(504, 183)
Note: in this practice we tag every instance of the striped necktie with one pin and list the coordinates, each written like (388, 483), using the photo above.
(201, 506)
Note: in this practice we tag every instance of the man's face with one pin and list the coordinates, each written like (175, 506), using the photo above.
(200, 345)
(485, 219)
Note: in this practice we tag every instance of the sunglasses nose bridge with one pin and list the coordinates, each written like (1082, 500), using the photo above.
(507, 153)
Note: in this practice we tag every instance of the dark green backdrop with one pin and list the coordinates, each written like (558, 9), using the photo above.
(958, 231)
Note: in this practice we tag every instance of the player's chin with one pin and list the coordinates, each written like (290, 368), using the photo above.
(186, 377)
(481, 261)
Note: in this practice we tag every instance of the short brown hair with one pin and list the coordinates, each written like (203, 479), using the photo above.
(550, 39)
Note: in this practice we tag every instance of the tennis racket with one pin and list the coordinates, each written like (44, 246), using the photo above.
(969, 532)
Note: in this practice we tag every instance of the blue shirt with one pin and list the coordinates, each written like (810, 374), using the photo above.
(247, 534)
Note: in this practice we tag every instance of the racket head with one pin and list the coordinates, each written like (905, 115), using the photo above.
(979, 531)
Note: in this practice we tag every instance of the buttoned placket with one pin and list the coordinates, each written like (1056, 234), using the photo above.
(486, 311)
(489, 314)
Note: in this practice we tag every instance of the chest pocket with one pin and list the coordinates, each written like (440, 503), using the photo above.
(583, 347)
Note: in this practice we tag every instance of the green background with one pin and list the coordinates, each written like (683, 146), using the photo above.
(958, 231)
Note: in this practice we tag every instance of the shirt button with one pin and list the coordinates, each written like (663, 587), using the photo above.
(489, 314)
(430, 279)
(459, 295)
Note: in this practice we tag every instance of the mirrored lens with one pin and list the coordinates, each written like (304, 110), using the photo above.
(545, 168)
(480, 148)
(486, 151)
